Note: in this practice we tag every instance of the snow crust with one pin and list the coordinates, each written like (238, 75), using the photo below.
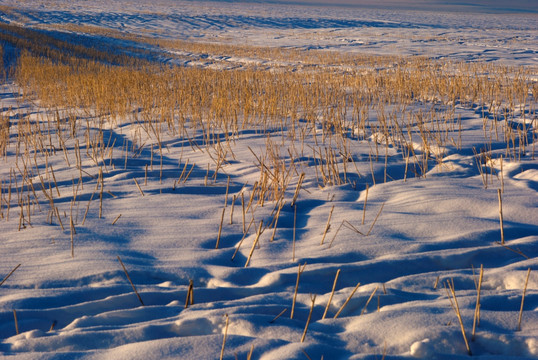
(432, 229)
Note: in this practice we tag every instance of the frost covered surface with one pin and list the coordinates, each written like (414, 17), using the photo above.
(419, 233)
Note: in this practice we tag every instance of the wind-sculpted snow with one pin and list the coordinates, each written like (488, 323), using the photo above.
(176, 208)
(467, 35)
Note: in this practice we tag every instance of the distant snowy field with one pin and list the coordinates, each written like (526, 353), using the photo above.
(467, 33)
(422, 232)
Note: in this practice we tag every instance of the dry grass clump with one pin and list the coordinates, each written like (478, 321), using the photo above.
(53, 46)
(313, 116)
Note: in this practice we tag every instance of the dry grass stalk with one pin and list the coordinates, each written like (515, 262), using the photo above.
(350, 226)
(225, 335)
(249, 355)
(277, 216)
(436, 283)
(242, 239)
(279, 315)
(347, 300)
(377, 216)
(369, 299)
(138, 186)
(308, 356)
(129, 278)
(232, 210)
(336, 233)
(260, 230)
(227, 189)
(10, 273)
(220, 227)
(476, 320)
(517, 251)
(243, 208)
(455, 306)
(331, 296)
(87, 208)
(501, 215)
(523, 300)
(313, 300)
(16, 322)
(502, 174)
(190, 294)
(297, 189)
(116, 219)
(57, 213)
(299, 272)
(364, 207)
(73, 232)
(294, 231)
(327, 226)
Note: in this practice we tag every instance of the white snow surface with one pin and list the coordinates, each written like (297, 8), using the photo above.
(431, 229)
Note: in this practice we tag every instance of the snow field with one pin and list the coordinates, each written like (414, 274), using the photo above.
(432, 216)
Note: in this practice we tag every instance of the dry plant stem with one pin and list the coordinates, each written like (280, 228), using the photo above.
(276, 221)
(190, 294)
(8, 275)
(294, 230)
(232, 211)
(364, 207)
(523, 300)
(331, 296)
(296, 194)
(146, 175)
(350, 226)
(279, 315)
(249, 355)
(243, 207)
(101, 196)
(227, 189)
(254, 243)
(138, 186)
(436, 283)
(476, 320)
(501, 215)
(116, 219)
(59, 218)
(455, 306)
(225, 335)
(327, 226)
(16, 322)
(72, 227)
(129, 278)
(502, 175)
(369, 299)
(313, 300)
(347, 300)
(242, 239)
(220, 227)
(307, 356)
(87, 208)
(519, 252)
(299, 272)
(372, 226)
(336, 233)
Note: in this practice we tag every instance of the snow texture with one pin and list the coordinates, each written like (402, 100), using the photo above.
(432, 229)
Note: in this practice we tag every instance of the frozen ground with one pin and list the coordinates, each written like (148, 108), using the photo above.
(418, 232)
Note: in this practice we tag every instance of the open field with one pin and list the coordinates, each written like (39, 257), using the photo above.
(199, 181)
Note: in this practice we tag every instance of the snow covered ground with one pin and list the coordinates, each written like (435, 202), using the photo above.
(405, 239)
